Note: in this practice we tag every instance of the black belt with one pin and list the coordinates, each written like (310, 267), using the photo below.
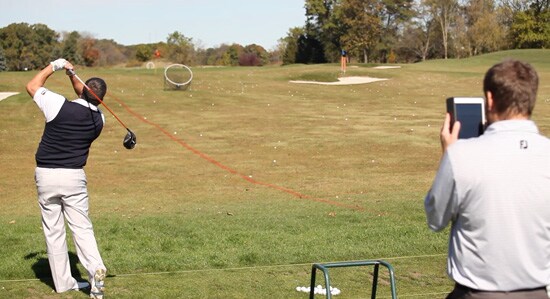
(465, 288)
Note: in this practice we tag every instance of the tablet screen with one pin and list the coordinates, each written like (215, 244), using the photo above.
(470, 112)
(470, 117)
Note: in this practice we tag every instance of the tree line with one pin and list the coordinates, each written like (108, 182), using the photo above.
(387, 31)
(415, 30)
(24, 47)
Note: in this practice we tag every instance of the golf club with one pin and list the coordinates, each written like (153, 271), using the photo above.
(130, 139)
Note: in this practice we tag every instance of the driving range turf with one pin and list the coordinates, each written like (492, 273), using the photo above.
(239, 184)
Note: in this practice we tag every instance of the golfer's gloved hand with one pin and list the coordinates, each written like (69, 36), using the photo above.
(58, 64)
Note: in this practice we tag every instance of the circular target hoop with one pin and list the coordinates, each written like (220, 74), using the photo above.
(182, 66)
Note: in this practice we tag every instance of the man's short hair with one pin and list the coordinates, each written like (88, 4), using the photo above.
(513, 85)
(98, 86)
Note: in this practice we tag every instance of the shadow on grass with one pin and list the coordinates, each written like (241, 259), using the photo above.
(41, 269)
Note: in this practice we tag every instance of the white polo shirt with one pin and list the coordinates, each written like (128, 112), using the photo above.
(495, 190)
(50, 103)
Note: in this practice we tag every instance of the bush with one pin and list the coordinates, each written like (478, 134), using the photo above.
(249, 59)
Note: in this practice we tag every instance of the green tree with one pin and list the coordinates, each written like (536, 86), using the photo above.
(394, 15)
(214, 56)
(362, 27)
(412, 46)
(180, 48)
(310, 50)
(290, 45)
(48, 46)
(277, 52)
(415, 42)
(485, 33)
(3, 65)
(362, 23)
(444, 12)
(324, 26)
(531, 28)
(70, 48)
(28, 46)
(459, 39)
(143, 52)
(231, 56)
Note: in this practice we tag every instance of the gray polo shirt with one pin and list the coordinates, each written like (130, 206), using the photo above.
(495, 190)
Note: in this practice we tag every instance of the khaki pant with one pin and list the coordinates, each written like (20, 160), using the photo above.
(63, 196)
(462, 292)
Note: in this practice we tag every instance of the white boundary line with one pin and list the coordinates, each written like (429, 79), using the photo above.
(423, 295)
(233, 269)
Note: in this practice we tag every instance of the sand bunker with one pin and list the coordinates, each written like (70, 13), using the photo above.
(4, 95)
(344, 81)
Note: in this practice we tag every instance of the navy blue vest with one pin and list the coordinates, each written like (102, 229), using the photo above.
(67, 138)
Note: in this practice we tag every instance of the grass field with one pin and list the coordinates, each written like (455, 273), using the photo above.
(242, 182)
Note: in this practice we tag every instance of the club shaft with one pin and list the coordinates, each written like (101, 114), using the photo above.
(103, 103)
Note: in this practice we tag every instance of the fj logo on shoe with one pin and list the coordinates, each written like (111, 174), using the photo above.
(523, 144)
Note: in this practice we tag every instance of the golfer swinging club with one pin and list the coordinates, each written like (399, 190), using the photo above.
(71, 127)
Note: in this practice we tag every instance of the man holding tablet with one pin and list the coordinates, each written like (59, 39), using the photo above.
(494, 190)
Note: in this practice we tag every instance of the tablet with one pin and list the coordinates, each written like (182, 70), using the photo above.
(470, 111)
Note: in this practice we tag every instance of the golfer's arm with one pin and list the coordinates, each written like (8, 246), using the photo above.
(77, 85)
(39, 80)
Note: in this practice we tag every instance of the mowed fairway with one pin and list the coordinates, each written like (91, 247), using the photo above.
(242, 182)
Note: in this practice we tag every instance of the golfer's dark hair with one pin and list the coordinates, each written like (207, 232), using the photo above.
(98, 86)
(513, 85)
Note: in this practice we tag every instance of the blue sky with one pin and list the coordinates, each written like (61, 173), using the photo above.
(208, 22)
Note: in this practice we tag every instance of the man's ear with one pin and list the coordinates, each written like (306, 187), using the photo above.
(490, 101)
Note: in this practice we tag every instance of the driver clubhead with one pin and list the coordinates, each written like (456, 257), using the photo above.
(129, 140)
